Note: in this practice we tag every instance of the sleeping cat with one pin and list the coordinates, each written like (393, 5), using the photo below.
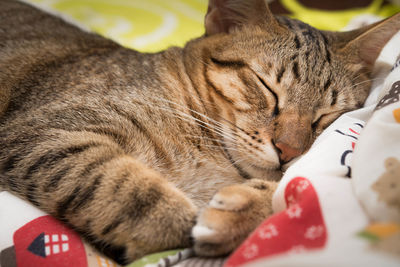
(145, 152)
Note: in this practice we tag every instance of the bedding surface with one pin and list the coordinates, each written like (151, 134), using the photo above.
(336, 205)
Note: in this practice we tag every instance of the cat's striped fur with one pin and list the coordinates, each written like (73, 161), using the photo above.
(127, 148)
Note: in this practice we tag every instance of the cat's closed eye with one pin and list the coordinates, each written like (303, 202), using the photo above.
(324, 120)
(316, 123)
(275, 95)
(228, 63)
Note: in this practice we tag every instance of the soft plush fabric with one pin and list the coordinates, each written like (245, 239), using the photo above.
(322, 216)
(339, 205)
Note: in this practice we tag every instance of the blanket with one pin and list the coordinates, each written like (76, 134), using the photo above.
(337, 206)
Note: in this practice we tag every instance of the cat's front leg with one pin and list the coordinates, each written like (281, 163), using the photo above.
(232, 214)
(119, 204)
(133, 211)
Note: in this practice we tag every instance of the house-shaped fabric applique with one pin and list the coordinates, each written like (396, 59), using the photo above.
(47, 242)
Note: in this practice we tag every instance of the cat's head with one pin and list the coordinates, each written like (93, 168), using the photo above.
(273, 84)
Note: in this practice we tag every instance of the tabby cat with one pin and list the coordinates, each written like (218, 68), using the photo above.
(145, 152)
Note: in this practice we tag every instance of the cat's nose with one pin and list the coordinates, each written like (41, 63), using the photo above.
(287, 152)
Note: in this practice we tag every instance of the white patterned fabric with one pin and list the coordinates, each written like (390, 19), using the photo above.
(339, 204)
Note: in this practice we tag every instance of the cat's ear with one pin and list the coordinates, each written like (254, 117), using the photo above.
(366, 43)
(224, 15)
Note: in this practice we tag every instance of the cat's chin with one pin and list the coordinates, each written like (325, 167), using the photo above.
(271, 173)
(269, 170)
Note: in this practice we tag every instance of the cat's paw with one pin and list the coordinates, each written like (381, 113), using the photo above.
(232, 214)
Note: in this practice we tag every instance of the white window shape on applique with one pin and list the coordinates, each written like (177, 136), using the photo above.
(64, 237)
(65, 247)
(54, 238)
(314, 232)
(56, 243)
(47, 250)
(268, 231)
(56, 249)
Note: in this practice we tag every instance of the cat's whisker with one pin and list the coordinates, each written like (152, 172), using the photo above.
(219, 116)
(241, 148)
(236, 162)
(194, 111)
(218, 127)
(367, 81)
(223, 144)
(234, 125)
(221, 148)
(213, 147)
(211, 139)
(208, 139)
(200, 123)
(219, 123)
(217, 130)
(356, 78)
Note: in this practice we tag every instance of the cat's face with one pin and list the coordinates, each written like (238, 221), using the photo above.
(273, 84)
(276, 94)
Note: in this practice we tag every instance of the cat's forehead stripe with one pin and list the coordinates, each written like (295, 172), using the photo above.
(334, 97)
(328, 54)
(295, 70)
(297, 42)
(326, 45)
(309, 36)
(327, 84)
(280, 74)
(304, 33)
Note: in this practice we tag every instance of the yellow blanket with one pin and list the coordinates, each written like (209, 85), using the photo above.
(146, 25)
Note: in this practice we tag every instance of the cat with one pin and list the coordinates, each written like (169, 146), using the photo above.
(140, 152)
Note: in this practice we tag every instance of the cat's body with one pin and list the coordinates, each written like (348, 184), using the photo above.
(126, 148)
(104, 104)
